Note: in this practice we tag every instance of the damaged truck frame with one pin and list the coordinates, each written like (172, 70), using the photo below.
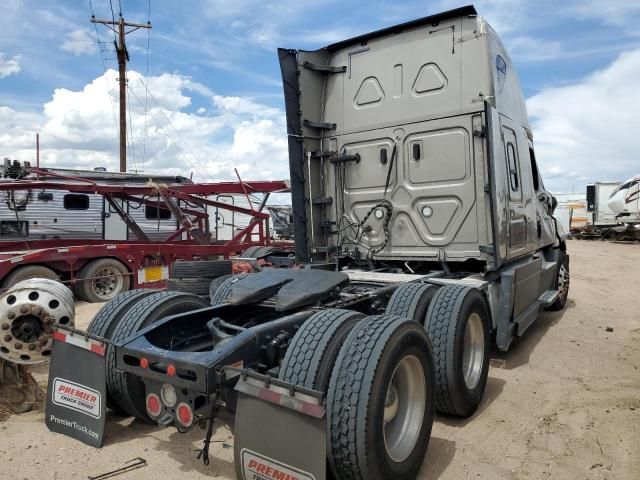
(423, 234)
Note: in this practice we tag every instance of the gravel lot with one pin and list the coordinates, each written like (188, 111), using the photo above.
(563, 403)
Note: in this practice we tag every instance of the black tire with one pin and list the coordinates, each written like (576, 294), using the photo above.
(195, 286)
(562, 283)
(215, 284)
(128, 391)
(358, 390)
(202, 269)
(93, 290)
(449, 313)
(250, 252)
(224, 290)
(312, 353)
(411, 300)
(107, 317)
(263, 252)
(27, 272)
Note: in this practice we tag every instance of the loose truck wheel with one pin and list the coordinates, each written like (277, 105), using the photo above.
(411, 301)
(381, 400)
(102, 279)
(224, 290)
(562, 283)
(458, 327)
(107, 317)
(128, 391)
(314, 348)
(27, 272)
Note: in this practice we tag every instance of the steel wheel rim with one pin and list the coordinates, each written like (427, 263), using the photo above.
(473, 351)
(404, 408)
(563, 281)
(107, 282)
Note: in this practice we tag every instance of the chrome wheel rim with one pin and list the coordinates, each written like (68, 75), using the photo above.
(563, 281)
(473, 351)
(404, 408)
(107, 282)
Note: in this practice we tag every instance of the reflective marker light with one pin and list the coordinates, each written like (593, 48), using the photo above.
(144, 363)
(168, 395)
(171, 370)
(185, 415)
(153, 405)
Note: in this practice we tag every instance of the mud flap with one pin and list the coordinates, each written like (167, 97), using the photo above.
(76, 393)
(280, 431)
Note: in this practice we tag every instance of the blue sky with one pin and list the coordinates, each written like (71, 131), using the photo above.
(215, 81)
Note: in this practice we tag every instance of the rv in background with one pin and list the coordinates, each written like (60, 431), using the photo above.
(54, 214)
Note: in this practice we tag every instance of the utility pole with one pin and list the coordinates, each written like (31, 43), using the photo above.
(119, 28)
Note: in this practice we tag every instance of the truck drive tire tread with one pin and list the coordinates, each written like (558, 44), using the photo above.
(314, 348)
(411, 301)
(201, 269)
(224, 290)
(107, 317)
(26, 272)
(128, 391)
(215, 283)
(355, 406)
(250, 252)
(446, 321)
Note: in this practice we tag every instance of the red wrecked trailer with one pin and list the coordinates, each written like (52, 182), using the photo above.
(99, 269)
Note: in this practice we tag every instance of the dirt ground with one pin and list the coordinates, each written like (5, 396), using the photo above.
(564, 402)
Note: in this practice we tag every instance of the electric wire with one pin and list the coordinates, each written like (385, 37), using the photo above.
(104, 69)
(173, 142)
(201, 168)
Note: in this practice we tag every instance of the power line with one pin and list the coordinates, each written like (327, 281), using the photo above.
(104, 69)
(123, 58)
(180, 149)
(173, 126)
(146, 95)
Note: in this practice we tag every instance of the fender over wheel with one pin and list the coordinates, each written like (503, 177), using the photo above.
(128, 391)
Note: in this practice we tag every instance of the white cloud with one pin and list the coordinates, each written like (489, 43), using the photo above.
(77, 130)
(9, 66)
(79, 42)
(589, 130)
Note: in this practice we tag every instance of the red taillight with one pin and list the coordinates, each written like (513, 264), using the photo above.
(185, 414)
(153, 405)
(171, 370)
(144, 363)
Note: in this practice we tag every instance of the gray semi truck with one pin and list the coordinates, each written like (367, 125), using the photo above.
(423, 235)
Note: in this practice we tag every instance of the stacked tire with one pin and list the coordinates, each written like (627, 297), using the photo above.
(196, 277)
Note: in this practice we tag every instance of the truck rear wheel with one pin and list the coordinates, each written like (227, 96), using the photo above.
(128, 391)
(380, 402)
(224, 290)
(411, 300)
(102, 279)
(314, 348)
(458, 326)
(27, 272)
(107, 317)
